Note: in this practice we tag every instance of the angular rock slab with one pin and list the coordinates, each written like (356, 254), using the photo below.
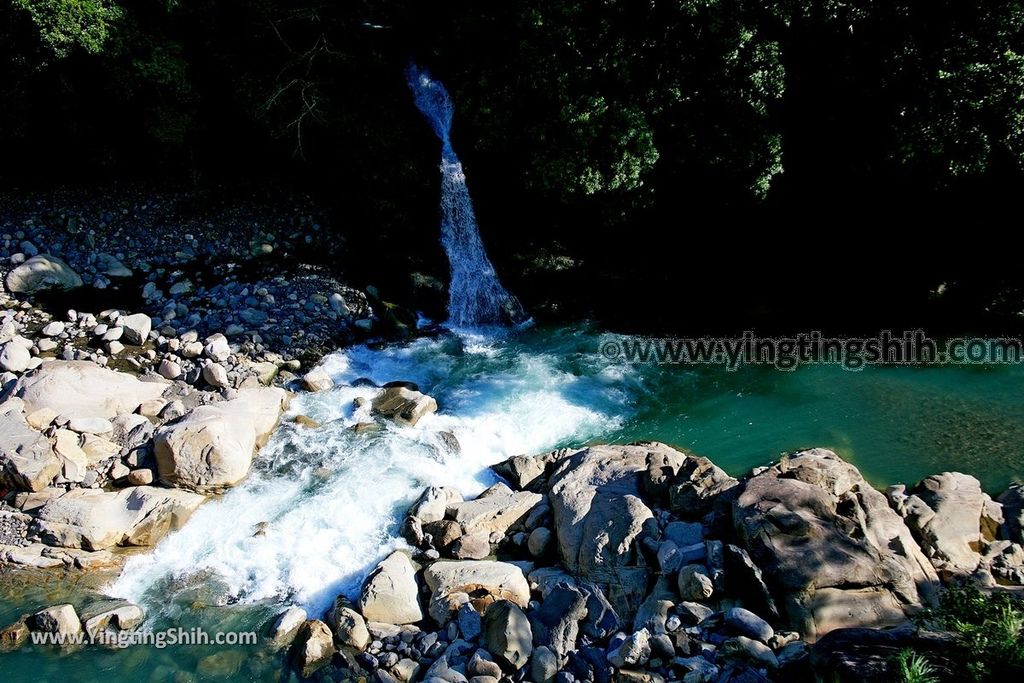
(27, 461)
(390, 594)
(92, 519)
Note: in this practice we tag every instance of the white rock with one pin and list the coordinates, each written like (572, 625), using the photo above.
(217, 347)
(317, 380)
(136, 328)
(42, 272)
(90, 425)
(53, 329)
(390, 594)
(14, 357)
(93, 519)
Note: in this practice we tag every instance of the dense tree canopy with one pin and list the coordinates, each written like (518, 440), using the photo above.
(607, 106)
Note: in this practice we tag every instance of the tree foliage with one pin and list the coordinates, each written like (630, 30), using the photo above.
(613, 104)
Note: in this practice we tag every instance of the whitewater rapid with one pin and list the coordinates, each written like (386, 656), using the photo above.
(323, 504)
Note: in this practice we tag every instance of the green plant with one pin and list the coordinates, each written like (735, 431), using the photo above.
(914, 667)
(989, 629)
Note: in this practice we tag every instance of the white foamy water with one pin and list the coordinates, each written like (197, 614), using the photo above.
(327, 501)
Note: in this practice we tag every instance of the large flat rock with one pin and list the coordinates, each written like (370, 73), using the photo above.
(93, 519)
(80, 389)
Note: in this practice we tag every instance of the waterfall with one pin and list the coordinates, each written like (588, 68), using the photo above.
(475, 295)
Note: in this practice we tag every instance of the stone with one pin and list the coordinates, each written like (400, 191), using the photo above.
(653, 612)
(632, 651)
(539, 542)
(140, 477)
(286, 627)
(217, 348)
(472, 546)
(349, 627)
(390, 593)
(406, 669)
(469, 622)
(136, 328)
(41, 419)
(600, 518)
(543, 665)
(93, 519)
(694, 583)
(557, 621)
(14, 357)
(479, 583)
(211, 448)
(119, 614)
(14, 635)
(520, 470)
(830, 546)
(80, 389)
(404, 406)
(168, 369)
(54, 329)
(507, 634)
(40, 273)
(60, 619)
(90, 425)
(745, 623)
(27, 461)
(749, 650)
(496, 510)
(483, 664)
(317, 380)
(951, 517)
(695, 486)
(313, 648)
(215, 375)
(74, 461)
(431, 505)
(1012, 500)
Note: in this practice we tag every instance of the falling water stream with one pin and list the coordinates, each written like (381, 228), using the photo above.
(475, 295)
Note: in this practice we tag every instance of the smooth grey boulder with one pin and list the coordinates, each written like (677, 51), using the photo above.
(600, 517)
(952, 519)
(93, 519)
(286, 627)
(745, 623)
(495, 510)
(59, 619)
(313, 648)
